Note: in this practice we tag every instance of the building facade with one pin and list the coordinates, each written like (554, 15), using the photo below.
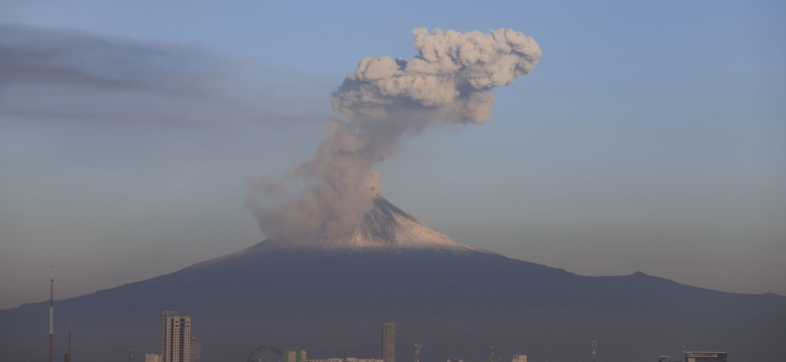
(387, 348)
(352, 359)
(295, 355)
(324, 360)
(175, 337)
(705, 357)
(519, 358)
(152, 357)
(196, 350)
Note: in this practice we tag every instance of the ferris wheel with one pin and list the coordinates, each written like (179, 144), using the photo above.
(266, 354)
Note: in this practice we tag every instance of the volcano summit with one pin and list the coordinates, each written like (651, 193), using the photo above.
(386, 228)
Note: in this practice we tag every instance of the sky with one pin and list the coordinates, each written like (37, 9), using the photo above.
(650, 137)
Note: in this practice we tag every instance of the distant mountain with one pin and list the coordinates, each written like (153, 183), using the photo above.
(330, 295)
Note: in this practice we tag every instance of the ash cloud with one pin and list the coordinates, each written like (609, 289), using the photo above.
(37, 56)
(449, 81)
(66, 75)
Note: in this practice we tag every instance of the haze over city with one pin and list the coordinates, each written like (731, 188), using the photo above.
(141, 138)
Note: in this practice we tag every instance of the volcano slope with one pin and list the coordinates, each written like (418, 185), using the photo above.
(329, 296)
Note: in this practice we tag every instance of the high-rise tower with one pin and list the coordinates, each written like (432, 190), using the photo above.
(196, 350)
(175, 337)
(294, 355)
(387, 348)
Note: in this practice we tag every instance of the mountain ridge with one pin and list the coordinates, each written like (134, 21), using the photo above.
(453, 298)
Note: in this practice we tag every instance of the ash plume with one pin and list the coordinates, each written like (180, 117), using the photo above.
(70, 75)
(449, 81)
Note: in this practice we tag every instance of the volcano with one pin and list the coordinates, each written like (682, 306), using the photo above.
(329, 295)
(386, 228)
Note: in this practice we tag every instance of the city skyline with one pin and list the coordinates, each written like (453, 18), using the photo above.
(171, 337)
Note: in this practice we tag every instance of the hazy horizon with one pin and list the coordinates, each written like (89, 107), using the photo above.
(649, 143)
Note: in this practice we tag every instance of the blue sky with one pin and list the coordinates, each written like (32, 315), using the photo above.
(650, 137)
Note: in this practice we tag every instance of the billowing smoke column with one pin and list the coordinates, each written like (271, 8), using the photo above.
(447, 82)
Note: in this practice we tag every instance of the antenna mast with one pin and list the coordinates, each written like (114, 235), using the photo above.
(594, 348)
(418, 346)
(51, 309)
(491, 359)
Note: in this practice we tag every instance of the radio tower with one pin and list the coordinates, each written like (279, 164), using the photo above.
(491, 359)
(594, 348)
(51, 310)
(418, 346)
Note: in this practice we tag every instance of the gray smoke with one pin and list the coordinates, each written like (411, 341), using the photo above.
(68, 75)
(449, 81)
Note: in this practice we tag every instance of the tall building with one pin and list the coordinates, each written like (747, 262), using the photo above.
(387, 347)
(455, 359)
(294, 355)
(175, 337)
(152, 357)
(519, 358)
(196, 350)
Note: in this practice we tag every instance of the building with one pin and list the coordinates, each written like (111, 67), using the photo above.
(152, 357)
(519, 358)
(352, 359)
(455, 360)
(387, 347)
(324, 360)
(294, 355)
(196, 350)
(175, 337)
(705, 356)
